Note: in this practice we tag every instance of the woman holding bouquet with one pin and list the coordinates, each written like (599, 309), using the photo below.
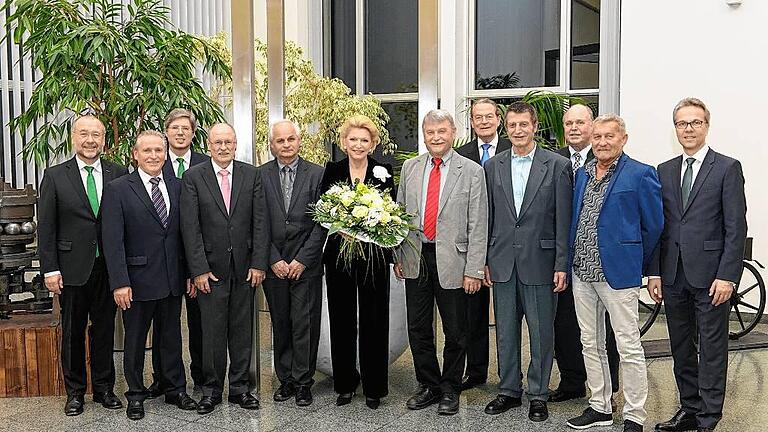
(364, 282)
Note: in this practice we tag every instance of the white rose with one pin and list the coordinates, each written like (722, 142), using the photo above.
(381, 173)
(360, 212)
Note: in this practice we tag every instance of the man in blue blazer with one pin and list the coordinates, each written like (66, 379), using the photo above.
(144, 255)
(699, 259)
(616, 224)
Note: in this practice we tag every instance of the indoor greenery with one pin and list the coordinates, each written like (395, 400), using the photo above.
(126, 64)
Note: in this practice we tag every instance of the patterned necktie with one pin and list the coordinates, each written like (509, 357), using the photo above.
(576, 162)
(688, 180)
(158, 201)
(287, 183)
(93, 195)
(181, 169)
(484, 158)
(433, 199)
(226, 190)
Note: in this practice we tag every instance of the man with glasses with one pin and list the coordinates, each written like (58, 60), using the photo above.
(225, 238)
(699, 261)
(485, 120)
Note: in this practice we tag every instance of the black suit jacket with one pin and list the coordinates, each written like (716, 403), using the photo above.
(68, 231)
(194, 159)
(709, 233)
(212, 237)
(292, 232)
(471, 151)
(139, 251)
(336, 172)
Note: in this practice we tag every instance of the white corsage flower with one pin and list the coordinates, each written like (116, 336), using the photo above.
(381, 173)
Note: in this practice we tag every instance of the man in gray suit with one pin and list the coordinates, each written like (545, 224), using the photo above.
(443, 260)
(293, 286)
(529, 196)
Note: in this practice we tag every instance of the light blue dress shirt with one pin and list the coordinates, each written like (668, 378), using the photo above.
(521, 169)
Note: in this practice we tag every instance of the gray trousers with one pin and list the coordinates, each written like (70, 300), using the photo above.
(538, 303)
(227, 322)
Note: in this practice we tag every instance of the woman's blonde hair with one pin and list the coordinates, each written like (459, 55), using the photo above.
(361, 122)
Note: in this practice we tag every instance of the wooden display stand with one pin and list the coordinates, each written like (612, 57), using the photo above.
(30, 361)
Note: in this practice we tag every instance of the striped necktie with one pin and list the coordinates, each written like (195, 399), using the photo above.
(158, 201)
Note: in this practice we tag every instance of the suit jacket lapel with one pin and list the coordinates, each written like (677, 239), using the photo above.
(416, 183)
(454, 173)
(504, 176)
(474, 154)
(141, 192)
(535, 177)
(213, 185)
(677, 189)
(706, 167)
(619, 167)
(73, 172)
(237, 185)
(272, 177)
(298, 182)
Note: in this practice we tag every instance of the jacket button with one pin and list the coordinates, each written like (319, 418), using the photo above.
(93, 242)
(517, 226)
(682, 221)
(287, 222)
(229, 249)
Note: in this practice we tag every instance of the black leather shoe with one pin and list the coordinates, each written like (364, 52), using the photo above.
(469, 382)
(135, 410)
(344, 398)
(207, 404)
(108, 400)
(372, 403)
(501, 404)
(449, 404)
(245, 400)
(155, 390)
(74, 405)
(284, 392)
(559, 395)
(681, 421)
(424, 398)
(538, 411)
(630, 426)
(304, 396)
(182, 401)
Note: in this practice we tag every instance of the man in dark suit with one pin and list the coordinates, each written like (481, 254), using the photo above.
(180, 127)
(293, 286)
(485, 121)
(143, 251)
(699, 260)
(577, 122)
(617, 221)
(69, 244)
(529, 208)
(225, 238)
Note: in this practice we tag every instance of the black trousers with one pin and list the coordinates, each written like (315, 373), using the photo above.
(195, 346)
(700, 376)
(227, 316)
(294, 309)
(421, 295)
(358, 298)
(478, 306)
(79, 304)
(165, 315)
(568, 348)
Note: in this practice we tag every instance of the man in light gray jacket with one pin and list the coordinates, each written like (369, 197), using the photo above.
(443, 259)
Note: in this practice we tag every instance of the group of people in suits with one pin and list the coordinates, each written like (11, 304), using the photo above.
(560, 239)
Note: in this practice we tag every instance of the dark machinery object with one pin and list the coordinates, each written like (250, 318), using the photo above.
(17, 230)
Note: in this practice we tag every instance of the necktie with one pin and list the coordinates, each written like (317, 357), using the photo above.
(576, 162)
(181, 169)
(687, 180)
(484, 158)
(93, 195)
(226, 190)
(433, 199)
(158, 201)
(287, 183)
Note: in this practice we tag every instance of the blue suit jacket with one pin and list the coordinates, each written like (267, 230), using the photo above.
(630, 221)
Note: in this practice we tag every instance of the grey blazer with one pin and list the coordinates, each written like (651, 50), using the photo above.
(536, 240)
(462, 221)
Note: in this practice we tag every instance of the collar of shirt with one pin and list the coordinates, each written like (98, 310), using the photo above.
(446, 159)
(81, 165)
(529, 156)
(583, 152)
(493, 143)
(217, 168)
(186, 156)
(146, 177)
(591, 168)
(293, 164)
(699, 155)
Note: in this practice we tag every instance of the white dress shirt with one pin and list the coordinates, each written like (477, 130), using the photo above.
(175, 160)
(145, 179)
(494, 144)
(583, 153)
(228, 168)
(699, 156)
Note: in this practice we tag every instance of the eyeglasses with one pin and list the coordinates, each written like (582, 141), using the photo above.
(85, 134)
(696, 124)
(223, 143)
(180, 128)
(488, 117)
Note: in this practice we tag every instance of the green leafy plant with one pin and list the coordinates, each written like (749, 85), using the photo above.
(318, 104)
(122, 63)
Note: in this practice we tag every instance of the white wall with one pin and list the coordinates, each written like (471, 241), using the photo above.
(705, 49)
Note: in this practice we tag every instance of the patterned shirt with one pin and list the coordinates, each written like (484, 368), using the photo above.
(586, 255)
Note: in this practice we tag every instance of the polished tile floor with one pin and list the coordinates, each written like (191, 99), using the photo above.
(746, 405)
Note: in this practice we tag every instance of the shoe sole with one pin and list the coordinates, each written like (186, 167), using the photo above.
(422, 406)
(303, 403)
(448, 412)
(591, 425)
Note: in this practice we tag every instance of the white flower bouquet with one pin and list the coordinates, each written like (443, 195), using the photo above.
(363, 215)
